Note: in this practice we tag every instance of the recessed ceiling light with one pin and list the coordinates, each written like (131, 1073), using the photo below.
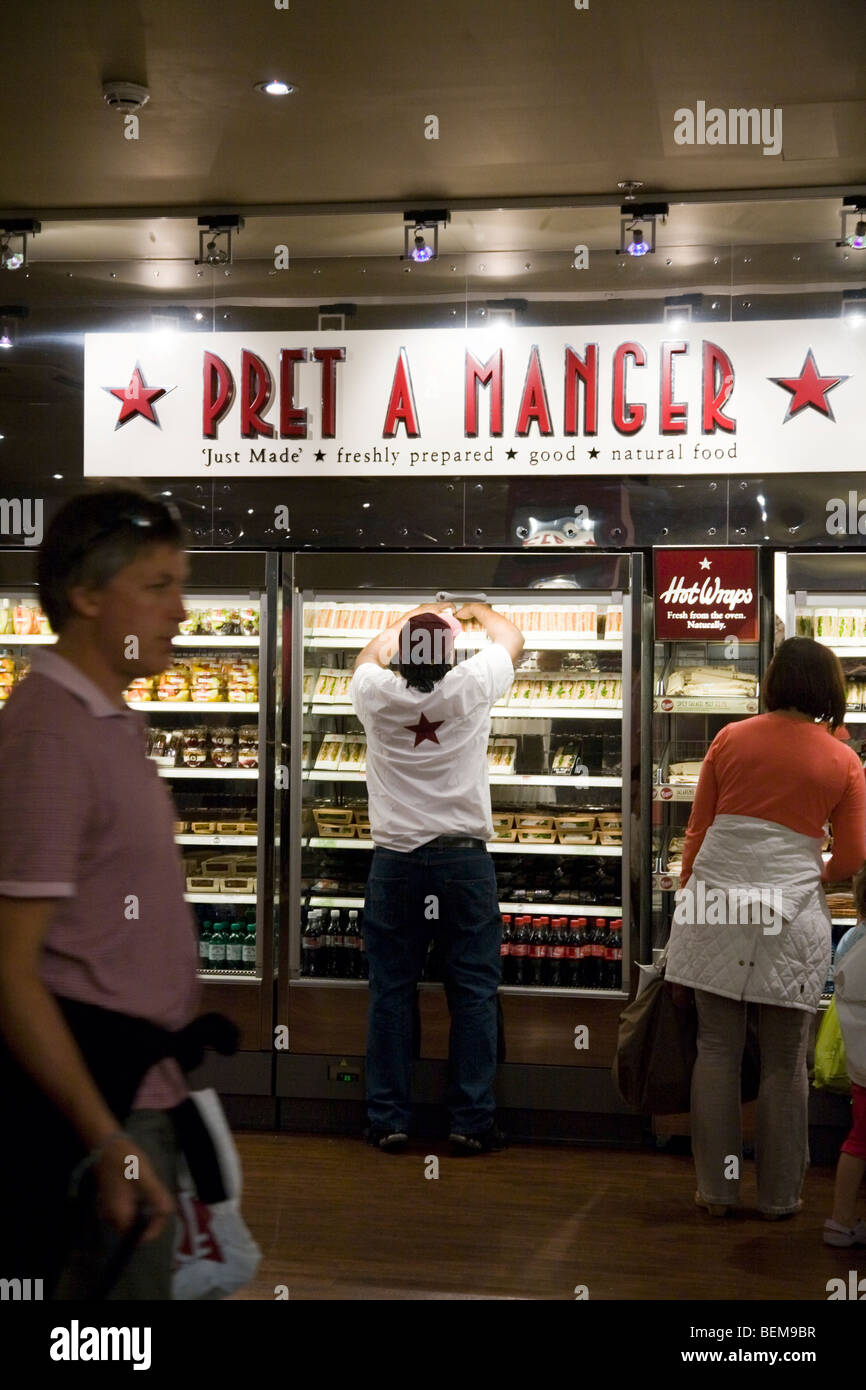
(275, 88)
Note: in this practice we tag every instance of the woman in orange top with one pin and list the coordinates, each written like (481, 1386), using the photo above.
(751, 925)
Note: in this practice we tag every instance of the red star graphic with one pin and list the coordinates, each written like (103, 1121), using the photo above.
(137, 399)
(809, 388)
(424, 729)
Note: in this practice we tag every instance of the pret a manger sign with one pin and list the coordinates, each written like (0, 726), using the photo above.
(710, 594)
(603, 401)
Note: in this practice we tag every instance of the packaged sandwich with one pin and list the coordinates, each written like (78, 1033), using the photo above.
(330, 751)
(613, 624)
(504, 755)
(326, 684)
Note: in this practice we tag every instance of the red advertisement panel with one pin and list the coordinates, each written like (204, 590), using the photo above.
(706, 595)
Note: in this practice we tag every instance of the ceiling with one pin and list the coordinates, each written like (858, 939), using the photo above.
(536, 104)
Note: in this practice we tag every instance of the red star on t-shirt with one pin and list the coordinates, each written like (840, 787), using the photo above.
(424, 729)
(809, 388)
(137, 399)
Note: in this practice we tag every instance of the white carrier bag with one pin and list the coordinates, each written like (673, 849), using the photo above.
(214, 1251)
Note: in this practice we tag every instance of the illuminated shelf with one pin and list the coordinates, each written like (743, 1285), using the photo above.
(196, 706)
(855, 716)
(42, 640)
(218, 898)
(682, 704)
(249, 840)
(666, 791)
(232, 774)
(549, 909)
(534, 642)
(536, 710)
(232, 976)
(512, 847)
(515, 779)
(215, 641)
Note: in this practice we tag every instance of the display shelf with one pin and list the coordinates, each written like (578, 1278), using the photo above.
(218, 899)
(512, 847)
(231, 774)
(249, 840)
(230, 976)
(667, 791)
(855, 716)
(515, 779)
(535, 711)
(534, 642)
(9, 639)
(195, 706)
(546, 991)
(549, 909)
(683, 704)
(221, 642)
(844, 921)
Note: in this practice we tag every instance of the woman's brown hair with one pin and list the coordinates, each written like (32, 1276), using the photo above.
(807, 676)
(860, 893)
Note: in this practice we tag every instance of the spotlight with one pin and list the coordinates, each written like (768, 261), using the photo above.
(275, 88)
(5, 339)
(219, 227)
(636, 220)
(13, 241)
(415, 224)
(853, 205)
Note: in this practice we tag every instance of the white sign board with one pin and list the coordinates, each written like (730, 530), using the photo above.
(777, 397)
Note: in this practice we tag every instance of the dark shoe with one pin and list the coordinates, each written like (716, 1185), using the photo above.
(389, 1141)
(490, 1141)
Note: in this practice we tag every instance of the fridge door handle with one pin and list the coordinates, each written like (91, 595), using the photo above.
(444, 597)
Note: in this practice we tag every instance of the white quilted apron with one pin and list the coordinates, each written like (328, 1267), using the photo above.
(752, 921)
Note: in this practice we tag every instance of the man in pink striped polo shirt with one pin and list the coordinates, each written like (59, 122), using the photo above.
(91, 907)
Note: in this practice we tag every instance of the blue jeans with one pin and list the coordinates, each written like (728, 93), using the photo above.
(450, 892)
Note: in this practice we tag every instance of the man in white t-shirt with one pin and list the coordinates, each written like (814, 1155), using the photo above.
(427, 723)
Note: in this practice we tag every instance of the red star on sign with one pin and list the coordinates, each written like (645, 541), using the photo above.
(809, 388)
(137, 398)
(424, 729)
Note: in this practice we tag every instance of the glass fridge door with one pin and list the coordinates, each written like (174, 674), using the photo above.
(555, 760)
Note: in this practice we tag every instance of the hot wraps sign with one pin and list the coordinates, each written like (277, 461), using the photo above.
(782, 397)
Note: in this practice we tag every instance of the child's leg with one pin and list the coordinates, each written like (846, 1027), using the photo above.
(849, 1175)
(852, 1162)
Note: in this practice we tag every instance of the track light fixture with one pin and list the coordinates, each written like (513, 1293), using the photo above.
(415, 224)
(854, 206)
(13, 241)
(637, 227)
(215, 238)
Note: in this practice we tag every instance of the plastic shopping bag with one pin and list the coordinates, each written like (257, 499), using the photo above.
(214, 1251)
(831, 1067)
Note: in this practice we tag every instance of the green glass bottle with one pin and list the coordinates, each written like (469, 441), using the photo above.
(249, 951)
(235, 947)
(217, 950)
(204, 941)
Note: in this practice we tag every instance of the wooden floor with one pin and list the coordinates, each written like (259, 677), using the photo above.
(338, 1220)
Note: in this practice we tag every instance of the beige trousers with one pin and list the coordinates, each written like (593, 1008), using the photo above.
(781, 1129)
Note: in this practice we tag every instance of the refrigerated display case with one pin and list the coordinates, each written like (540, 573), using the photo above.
(823, 596)
(560, 757)
(699, 686)
(210, 723)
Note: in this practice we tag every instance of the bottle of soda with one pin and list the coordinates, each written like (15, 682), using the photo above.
(505, 948)
(311, 943)
(572, 953)
(545, 942)
(205, 933)
(535, 953)
(249, 947)
(584, 958)
(352, 946)
(338, 962)
(616, 954)
(599, 948)
(235, 946)
(520, 951)
(365, 964)
(556, 964)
